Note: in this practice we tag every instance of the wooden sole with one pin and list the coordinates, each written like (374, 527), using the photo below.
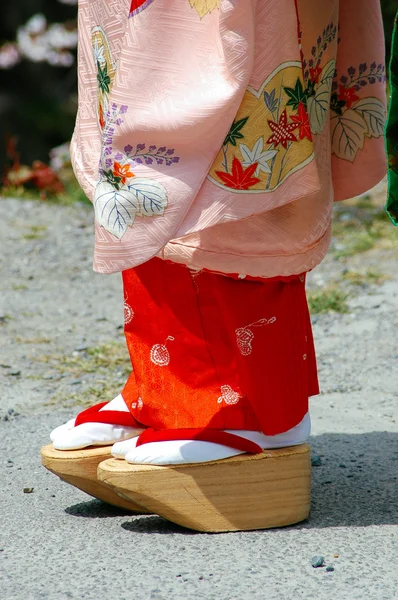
(79, 468)
(250, 491)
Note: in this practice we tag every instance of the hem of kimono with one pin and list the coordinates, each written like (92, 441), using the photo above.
(293, 194)
(349, 187)
(268, 266)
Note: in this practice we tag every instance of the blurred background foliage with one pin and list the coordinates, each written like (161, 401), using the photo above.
(38, 89)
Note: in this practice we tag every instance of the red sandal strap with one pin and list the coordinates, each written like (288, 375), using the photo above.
(110, 417)
(204, 435)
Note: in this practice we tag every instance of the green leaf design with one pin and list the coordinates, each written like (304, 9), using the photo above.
(337, 105)
(310, 89)
(296, 95)
(103, 78)
(235, 132)
(112, 178)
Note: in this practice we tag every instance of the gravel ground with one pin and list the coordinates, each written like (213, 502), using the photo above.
(56, 543)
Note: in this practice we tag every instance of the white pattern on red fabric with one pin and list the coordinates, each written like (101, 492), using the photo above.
(160, 355)
(244, 335)
(128, 313)
(228, 395)
(139, 404)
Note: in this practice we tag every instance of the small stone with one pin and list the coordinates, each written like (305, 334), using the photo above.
(28, 490)
(316, 461)
(318, 561)
(15, 373)
(351, 475)
(342, 466)
(329, 569)
(76, 382)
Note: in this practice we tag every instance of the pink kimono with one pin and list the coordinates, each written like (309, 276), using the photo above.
(217, 133)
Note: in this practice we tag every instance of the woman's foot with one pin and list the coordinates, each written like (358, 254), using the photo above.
(71, 437)
(193, 451)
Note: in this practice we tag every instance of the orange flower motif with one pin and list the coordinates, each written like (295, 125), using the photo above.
(101, 116)
(282, 131)
(122, 171)
(348, 95)
(315, 74)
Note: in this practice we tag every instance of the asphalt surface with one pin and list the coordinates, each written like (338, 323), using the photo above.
(56, 543)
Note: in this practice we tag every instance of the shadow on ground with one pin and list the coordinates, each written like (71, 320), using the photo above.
(355, 485)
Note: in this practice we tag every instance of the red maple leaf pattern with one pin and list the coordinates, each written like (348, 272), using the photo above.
(348, 95)
(303, 122)
(282, 131)
(240, 178)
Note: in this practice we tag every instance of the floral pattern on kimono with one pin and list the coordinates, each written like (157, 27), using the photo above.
(293, 104)
(119, 195)
(225, 119)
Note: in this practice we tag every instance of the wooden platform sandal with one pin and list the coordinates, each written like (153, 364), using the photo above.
(79, 467)
(260, 489)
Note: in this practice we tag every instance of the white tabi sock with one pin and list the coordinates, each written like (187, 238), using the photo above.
(69, 437)
(192, 451)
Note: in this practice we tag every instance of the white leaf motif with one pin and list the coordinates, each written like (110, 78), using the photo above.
(114, 209)
(348, 134)
(150, 196)
(257, 155)
(328, 70)
(318, 105)
(372, 110)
